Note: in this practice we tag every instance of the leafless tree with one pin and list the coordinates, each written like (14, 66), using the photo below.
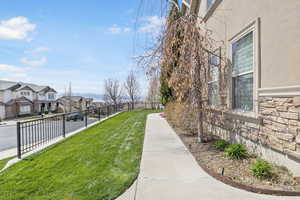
(183, 54)
(113, 91)
(132, 88)
(153, 96)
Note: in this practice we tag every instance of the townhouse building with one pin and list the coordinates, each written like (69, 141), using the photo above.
(261, 46)
(74, 103)
(19, 99)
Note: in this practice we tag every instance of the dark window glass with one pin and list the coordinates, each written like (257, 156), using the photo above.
(242, 72)
(243, 92)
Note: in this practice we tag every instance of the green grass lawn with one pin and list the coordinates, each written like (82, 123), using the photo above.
(3, 162)
(98, 163)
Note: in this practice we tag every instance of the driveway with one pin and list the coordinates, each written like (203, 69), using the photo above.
(8, 137)
(8, 133)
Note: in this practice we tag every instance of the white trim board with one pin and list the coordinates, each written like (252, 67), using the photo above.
(254, 27)
(288, 91)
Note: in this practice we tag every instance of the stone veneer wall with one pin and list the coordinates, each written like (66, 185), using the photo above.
(281, 117)
(277, 139)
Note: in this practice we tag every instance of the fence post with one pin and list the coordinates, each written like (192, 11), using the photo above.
(19, 140)
(128, 106)
(64, 125)
(107, 111)
(86, 116)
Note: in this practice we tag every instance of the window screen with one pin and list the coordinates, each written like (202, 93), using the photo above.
(242, 72)
(243, 55)
(243, 92)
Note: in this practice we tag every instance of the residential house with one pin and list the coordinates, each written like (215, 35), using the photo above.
(74, 103)
(261, 45)
(19, 99)
(98, 103)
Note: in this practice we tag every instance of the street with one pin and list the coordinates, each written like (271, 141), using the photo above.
(8, 134)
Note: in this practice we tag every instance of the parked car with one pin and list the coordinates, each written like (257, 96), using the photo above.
(75, 117)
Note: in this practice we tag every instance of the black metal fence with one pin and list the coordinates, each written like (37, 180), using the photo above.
(39, 132)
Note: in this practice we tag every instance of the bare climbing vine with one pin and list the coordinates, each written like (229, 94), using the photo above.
(183, 57)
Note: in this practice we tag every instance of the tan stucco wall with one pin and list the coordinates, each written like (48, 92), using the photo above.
(280, 35)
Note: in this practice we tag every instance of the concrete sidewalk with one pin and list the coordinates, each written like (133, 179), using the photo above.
(169, 172)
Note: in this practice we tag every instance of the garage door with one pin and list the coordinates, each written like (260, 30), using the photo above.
(25, 109)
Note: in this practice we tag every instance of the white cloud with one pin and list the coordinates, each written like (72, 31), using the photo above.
(152, 24)
(115, 29)
(127, 30)
(10, 68)
(17, 28)
(11, 72)
(37, 50)
(34, 63)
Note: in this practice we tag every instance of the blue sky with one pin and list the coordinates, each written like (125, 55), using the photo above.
(53, 42)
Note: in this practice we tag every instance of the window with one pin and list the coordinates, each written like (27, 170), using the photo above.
(242, 73)
(51, 96)
(25, 93)
(209, 4)
(213, 84)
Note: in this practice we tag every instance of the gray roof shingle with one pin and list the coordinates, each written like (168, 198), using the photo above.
(5, 85)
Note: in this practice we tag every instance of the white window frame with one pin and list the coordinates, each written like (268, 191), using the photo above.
(24, 93)
(253, 27)
(51, 96)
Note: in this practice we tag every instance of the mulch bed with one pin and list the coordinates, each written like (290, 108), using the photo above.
(237, 172)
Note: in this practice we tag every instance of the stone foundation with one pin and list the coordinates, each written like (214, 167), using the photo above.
(281, 117)
(275, 137)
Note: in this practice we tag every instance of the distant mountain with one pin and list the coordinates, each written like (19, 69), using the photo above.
(93, 95)
(86, 95)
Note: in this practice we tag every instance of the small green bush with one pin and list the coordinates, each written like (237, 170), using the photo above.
(237, 151)
(261, 169)
(221, 145)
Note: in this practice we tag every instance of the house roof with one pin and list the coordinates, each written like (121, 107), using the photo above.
(6, 85)
(21, 100)
(44, 101)
(25, 87)
(73, 98)
(10, 85)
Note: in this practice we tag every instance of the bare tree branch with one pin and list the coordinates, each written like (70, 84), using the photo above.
(132, 87)
(113, 91)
